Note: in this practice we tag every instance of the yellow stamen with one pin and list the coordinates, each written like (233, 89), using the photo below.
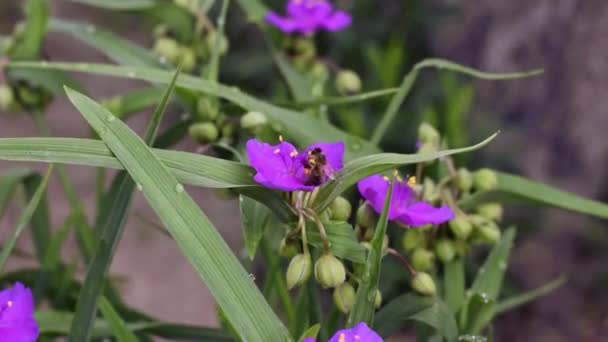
(399, 179)
(277, 151)
(9, 303)
(293, 154)
(411, 181)
(387, 179)
(280, 138)
(342, 338)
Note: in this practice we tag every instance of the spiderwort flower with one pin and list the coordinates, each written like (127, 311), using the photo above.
(360, 333)
(17, 323)
(282, 167)
(308, 16)
(405, 208)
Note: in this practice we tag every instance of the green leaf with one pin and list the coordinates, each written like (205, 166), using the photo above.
(29, 45)
(118, 326)
(410, 78)
(135, 101)
(341, 100)
(365, 298)
(480, 311)
(179, 20)
(312, 332)
(9, 181)
(242, 303)
(40, 222)
(524, 298)
(255, 10)
(342, 238)
(119, 4)
(516, 189)
(366, 166)
(300, 87)
(51, 80)
(303, 129)
(428, 310)
(454, 284)
(214, 61)
(255, 216)
(25, 218)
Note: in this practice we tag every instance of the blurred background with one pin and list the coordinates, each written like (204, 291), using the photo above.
(552, 128)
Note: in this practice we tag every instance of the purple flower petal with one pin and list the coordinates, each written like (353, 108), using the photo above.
(17, 323)
(309, 339)
(334, 152)
(421, 214)
(338, 21)
(374, 190)
(360, 333)
(286, 25)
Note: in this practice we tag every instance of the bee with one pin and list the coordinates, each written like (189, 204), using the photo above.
(316, 167)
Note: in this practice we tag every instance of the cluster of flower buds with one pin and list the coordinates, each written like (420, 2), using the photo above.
(211, 124)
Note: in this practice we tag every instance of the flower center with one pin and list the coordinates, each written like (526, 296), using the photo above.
(6, 306)
(314, 167)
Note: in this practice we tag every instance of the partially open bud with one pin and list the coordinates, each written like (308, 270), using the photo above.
(340, 209)
(366, 216)
(489, 233)
(424, 284)
(461, 227)
(253, 121)
(444, 249)
(491, 211)
(464, 180)
(423, 259)
(344, 297)
(427, 134)
(203, 132)
(167, 48)
(330, 271)
(187, 58)
(223, 43)
(207, 109)
(348, 82)
(288, 249)
(378, 300)
(7, 98)
(412, 239)
(485, 179)
(299, 270)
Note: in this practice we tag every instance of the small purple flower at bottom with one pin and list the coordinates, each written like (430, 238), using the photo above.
(308, 16)
(360, 333)
(282, 167)
(17, 323)
(405, 208)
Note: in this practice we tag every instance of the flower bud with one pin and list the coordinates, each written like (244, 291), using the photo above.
(203, 132)
(187, 58)
(348, 82)
(161, 30)
(344, 297)
(424, 284)
(223, 43)
(207, 109)
(491, 211)
(427, 148)
(461, 227)
(485, 179)
(304, 49)
(288, 249)
(412, 239)
(330, 271)
(228, 130)
(340, 209)
(298, 271)
(461, 247)
(168, 48)
(378, 299)
(427, 134)
(445, 250)
(253, 121)
(366, 216)
(325, 216)
(489, 233)
(423, 259)
(319, 71)
(464, 180)
(429, 193)
(7, 98)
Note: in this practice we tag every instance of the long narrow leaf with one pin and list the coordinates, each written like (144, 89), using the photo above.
(526, 297)
(119, 4)
(30, 44)
(118, 326)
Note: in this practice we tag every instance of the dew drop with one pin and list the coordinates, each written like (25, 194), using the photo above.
(179, 188)
(502, 265)
(101, 132)
(131, 74)
(111, 117)
(162, 60)
(482, 270)
(371, 296)
(139, 186)
(90, 29)
(252, 276)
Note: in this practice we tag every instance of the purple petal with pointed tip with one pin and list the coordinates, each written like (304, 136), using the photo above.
(338, 21)
(360, 333)
(17, 323)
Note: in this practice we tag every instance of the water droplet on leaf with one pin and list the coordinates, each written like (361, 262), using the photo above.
(179, 188)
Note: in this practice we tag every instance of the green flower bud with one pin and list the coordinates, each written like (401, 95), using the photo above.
(427, 134)
(378, 299)
(253, 121)
(330, 271)
(461, 247)
(444, 249)
(203, 132)
(288, 250)
(348, 82)
(344, 297)
(319, 71)
(423, 259)
(427, 148)
(7, 98)
(413, 239)
(223, 43)
(491, 211)
(304, 48)
(461, 227)
(485, 179)
(228, 130)
(167, 48)
(187, 58)
(464, 180)
(366, 216)
(424, 284)
(207, 109)
(489, 233)
(161, 31)
(429, 192)
(340, 209)
(325, 216)
(299, 270)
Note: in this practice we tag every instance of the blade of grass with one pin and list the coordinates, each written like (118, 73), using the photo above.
(40, 222)
(214, 62)
(30, 44)
(239, 298)
(526, 297)
(119, 4)
(118, 326)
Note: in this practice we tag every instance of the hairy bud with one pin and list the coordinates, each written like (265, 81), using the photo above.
(330, 271)
(366, 216)
(427, 134)
(461, 227)
(423, 259)
(187, 59)
(491, 211)
(485, 179)
(203, 132)
(207, 109)
(7, 98)
(340, 209)
(413, 239)
(424, 284)
(288, 249)
(444, 249)
(299, 270)
(348, 82)
(464, 180)
(167, 48)
(253, 121)
(378, 299)
(344, 297)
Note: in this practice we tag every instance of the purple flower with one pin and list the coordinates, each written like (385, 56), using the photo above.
(360, 333)
(17, 323)
(404, 206)
(309, 16)
(282, 167)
